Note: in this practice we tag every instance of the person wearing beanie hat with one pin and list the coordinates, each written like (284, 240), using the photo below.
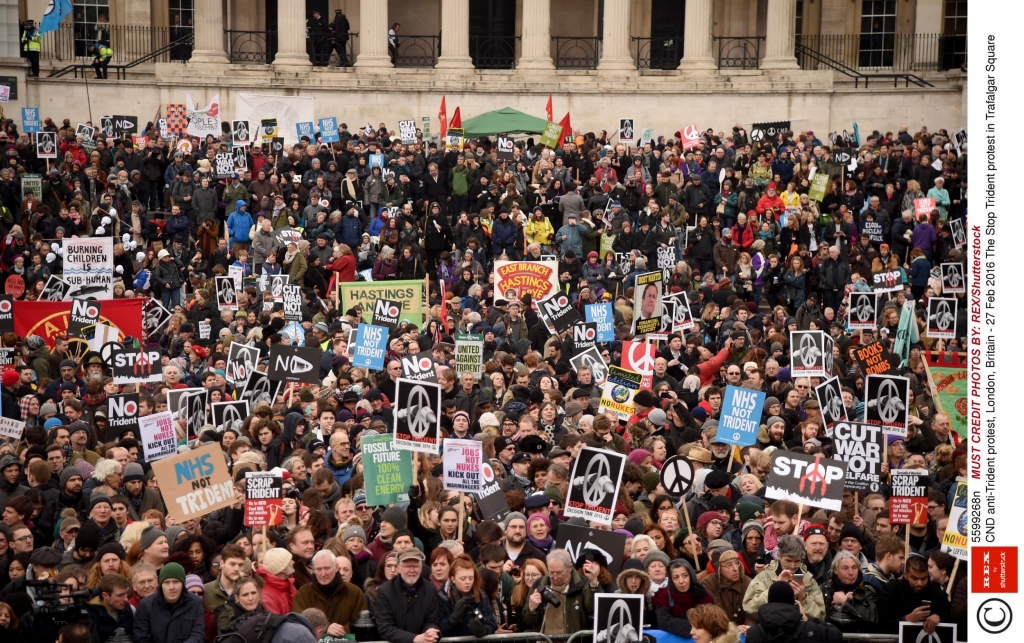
(278, 591)
(748, 511)
(656, 563)
(354, 531)
(634, 526)
(391, 521)
(171, 614)
(651, 481)
(194, 582)
(728, 584)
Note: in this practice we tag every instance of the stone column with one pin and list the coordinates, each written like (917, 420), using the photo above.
(615, 46)
(536, 35)
(454, 35)
(928, 21)
(209, 34)
(291, 34)
(780, 35)
(373, 35)
(697, 52)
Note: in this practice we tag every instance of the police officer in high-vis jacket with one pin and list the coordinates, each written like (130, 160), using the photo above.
(101, 58)
(31, 43)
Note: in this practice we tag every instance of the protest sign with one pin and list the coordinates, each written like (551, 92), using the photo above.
(768, 131)
(818, 186)
(619, 388)
(594, 485)
(830, 399)
(387, 470)
(84, 315)
(887, 281)
(690, 137)
(223, 165)
(305, 128)
(205, 121)
(604, 317)
(226, 293)
(240, 135)
(808, 353)
(605, 545)
(941, 318)
(268, 128)
(46, 147)
(407, 131)
(490, 500)
(329, 130)
(292, 300)
(862, 310)
(591, 358)
(639, 357)
(387, 313)
(947, 379)
(195, 483)
(506, 149)
(559, 312)
(14, 285)
(666, 262)
(647, 308)
(551, 135)
(365, 295)
(419, 367)
(264, 499)
(914, 633)
(131, 365)
(89, 266)
(908, 504)
(873, 230)
(618, 618)
(627, 133)
(241, 157)
(584, 336)
(923, 207)
(56, 289)
(241, 362)
(418, 415)
(861, 447)
(274, 284)
(227, 415)
(682, 316)
(85, 131)
(6, 314)
(159, 437)
(874, 359)
(295, 363)
(371, 344)
(806, 479)
(30, 120)
(954, 542)
(888, 399)
(12, 429)
(463, 460)
(7, 356)
(956, 226)
(646, 136)
(740, 416)
(953, 282)
(32, 183)
(192, 409)
(469, 355)
(123, 414)
(154, 316)
(259, 388)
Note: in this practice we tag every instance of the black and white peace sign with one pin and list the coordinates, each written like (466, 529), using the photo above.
(943, 316)
(953, 278)
(421, 416)
(597, 473)
(865, 310)
(890, 402)
(808, 351)
(832, 405)
(677, 475)
(620, 624)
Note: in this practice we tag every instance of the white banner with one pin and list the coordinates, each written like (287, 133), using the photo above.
(288, 110)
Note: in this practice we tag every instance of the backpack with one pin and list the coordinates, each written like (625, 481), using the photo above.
(257, 627)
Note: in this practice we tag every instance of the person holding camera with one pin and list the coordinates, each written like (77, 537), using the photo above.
(406, 610)
(561, 602)
(463, 607)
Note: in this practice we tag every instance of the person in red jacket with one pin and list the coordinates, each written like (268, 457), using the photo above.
(344, 263)
(708, 365)
(770, 199)
(73, 147)
(278, 591)
(742, 233)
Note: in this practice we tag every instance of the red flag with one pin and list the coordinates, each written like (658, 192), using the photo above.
(442, 117)
(444, 307)
(550, 110)
(48, 319)
(457, 119)
(566, 129)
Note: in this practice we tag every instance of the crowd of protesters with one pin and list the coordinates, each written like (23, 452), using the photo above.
(756, 257)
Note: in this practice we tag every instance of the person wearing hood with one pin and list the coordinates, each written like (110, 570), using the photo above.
(728, 585)
(781, 620)
(851, 603)
(634, 580)
(172, 614)
(391, 521)
(341, 602)
(789, 563)
(10, 472)
(682, 593)
(239, 224)
(463, 608)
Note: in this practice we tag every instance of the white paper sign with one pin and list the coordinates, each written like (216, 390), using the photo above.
(11, 428)
(159, 437)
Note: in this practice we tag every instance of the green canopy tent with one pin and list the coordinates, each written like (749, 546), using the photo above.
(503, 121)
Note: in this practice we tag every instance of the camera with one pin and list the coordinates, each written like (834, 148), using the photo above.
(549, 597)
(516, 570)
(51, 606)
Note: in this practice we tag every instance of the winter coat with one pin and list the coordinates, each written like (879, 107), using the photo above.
(349, 231)
(725, 255)
(177, 227)
(239, 224)
(297, 269)
(277, 594)
(107, 624)
(670, 606)
(205, 202)
(264, 244)
(503, 236)
(920, 272)
(402, 616)
(577, 606)
(729, 596)
(857, 614)
(166, 272)
(445, 607)
(898, 599)
(158, 622)
(341, 602)
(782, 623)
(757, 592)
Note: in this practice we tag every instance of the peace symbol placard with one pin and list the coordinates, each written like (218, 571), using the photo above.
(677, 475)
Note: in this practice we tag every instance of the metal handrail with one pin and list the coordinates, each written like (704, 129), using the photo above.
(739, 52)
(658, 53)
(418, 51)
(577, 53)
(894, 53)
(121, 71)
(493, 52)
(70, 41)
(323, 45)
(804, 54)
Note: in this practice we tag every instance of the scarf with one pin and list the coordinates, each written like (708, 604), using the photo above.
(544, 544)
(453, 594)
(841, 588)
(653, 589)
(289, 256)
(328, 589)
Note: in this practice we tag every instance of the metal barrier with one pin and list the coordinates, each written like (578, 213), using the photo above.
(739, 52)
(418, 51)
(493, 52)
(577, 53)
(585, 635)
(658, 53)
(888, 52)
(70, 43)
(252, 46)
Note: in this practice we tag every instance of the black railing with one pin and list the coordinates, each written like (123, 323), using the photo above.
(81, 69)
(739, 52)
(889, 52)
(327, 50)
(493, 52)
(252, 46)
(577, 53)
(71, 42)
(658, 53)
(809, 58)
(418, 51)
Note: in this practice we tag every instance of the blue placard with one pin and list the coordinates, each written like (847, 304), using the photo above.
(329, 130)
(371, 344)
(305, 128)
(741, 416)
(604, 317)
(378, 160)
(30, 120)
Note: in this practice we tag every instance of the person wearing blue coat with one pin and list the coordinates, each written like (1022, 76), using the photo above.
(239, 224)
(171, 615)
(379, 222)
(504, 233)
(350, 229)
(920, 271)
(177, 226)
(570, 237)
